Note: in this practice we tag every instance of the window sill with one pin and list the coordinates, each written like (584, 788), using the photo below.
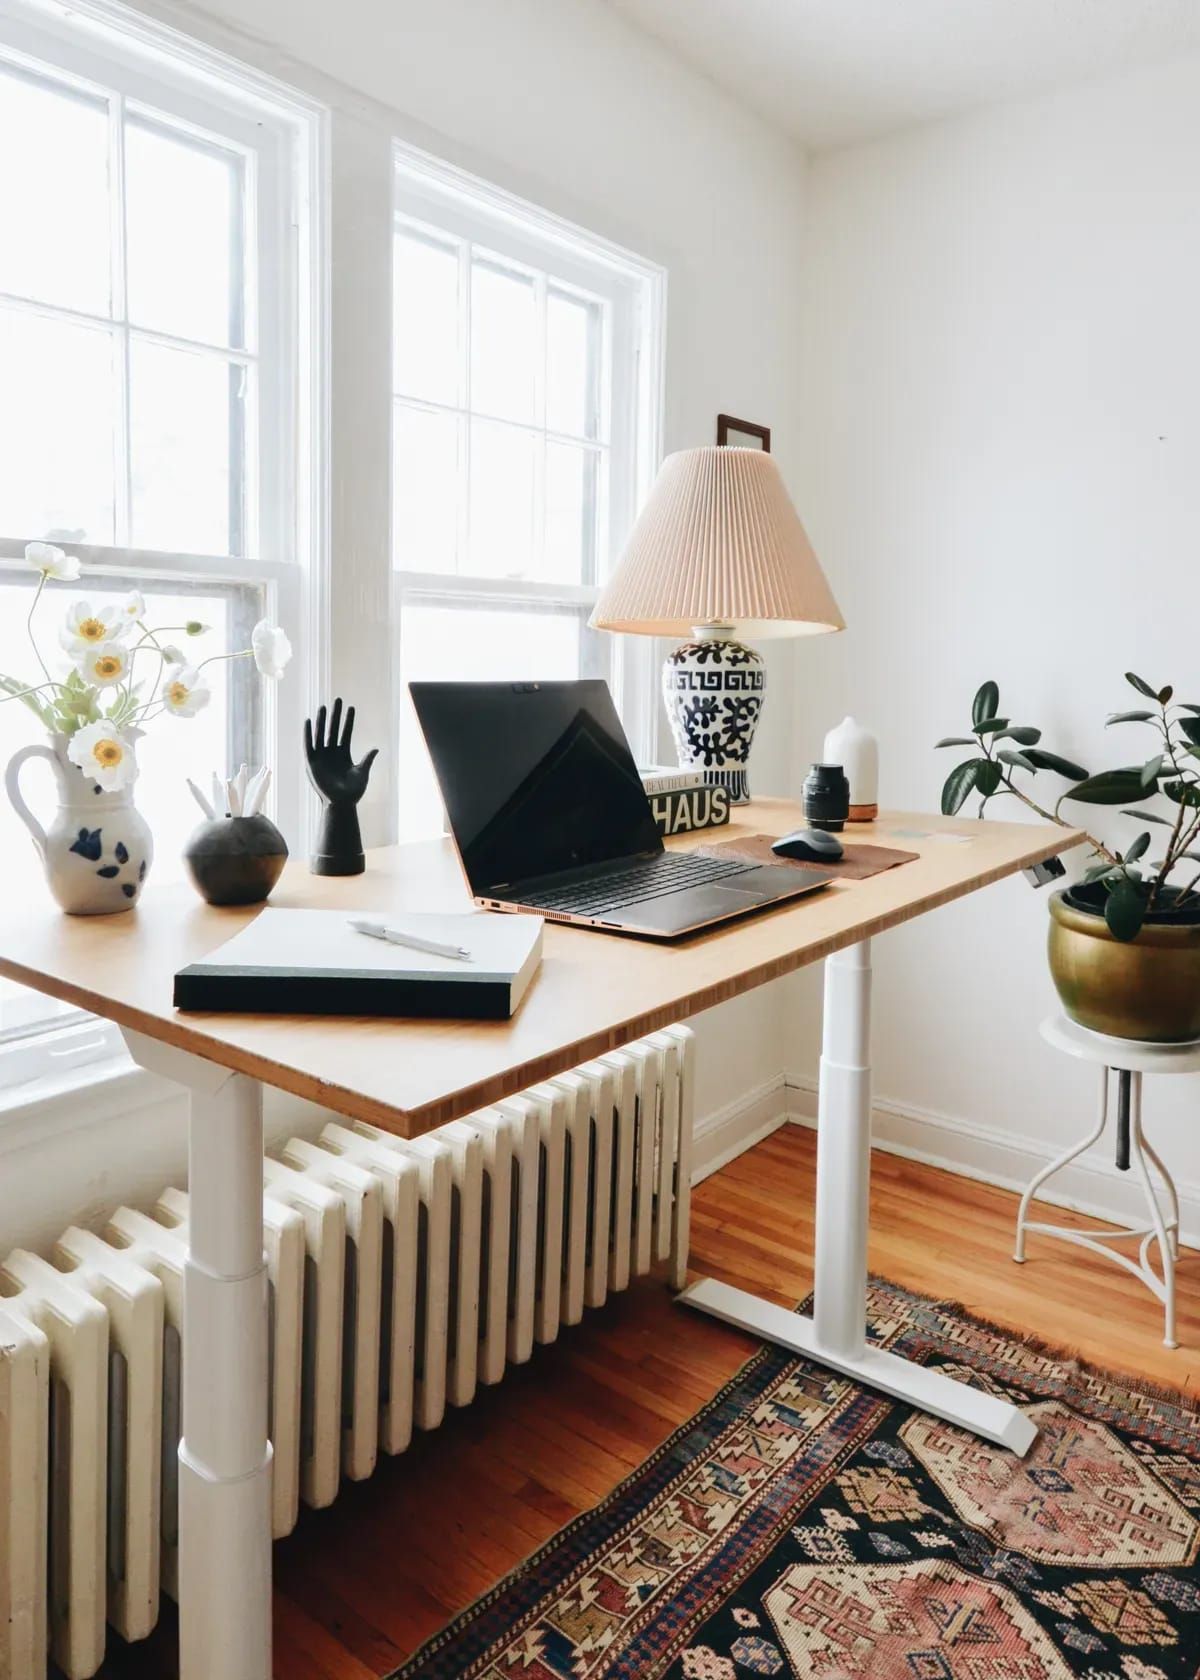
(81, 1099)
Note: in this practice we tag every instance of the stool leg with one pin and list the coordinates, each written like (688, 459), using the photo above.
(1172, 1194)
(1057, 1164)
(1166, 1246)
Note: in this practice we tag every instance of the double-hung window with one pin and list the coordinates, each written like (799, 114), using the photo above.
(156, 368)
(526, 379)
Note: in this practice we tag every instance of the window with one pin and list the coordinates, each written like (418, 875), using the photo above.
(526, 384)
(156, 366)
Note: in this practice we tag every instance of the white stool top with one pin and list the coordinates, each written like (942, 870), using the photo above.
(1129, 1054)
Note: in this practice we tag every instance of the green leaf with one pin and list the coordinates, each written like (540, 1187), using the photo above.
(991, 725)
(1017, 759)
(1110, 787)
(1142, 686)
(1061, 766)
(955, 741)
(988, 777)
(1188, 706)
(1183, 793)
(1149, 816)
(1190, 727)
(1164, 694)
(39, 708)
(986, 703)
(1130, 717)
(1151, 769)
(1138, 847)
(1098, 871)
(1124, 912)
(1022, 733)
(958, 785)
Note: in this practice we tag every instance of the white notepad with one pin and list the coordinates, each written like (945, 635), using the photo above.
(315, 962)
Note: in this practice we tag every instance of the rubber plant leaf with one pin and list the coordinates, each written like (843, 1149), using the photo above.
(1110, 787)
(1061, 766)
(986, 703)
(1124, 912)
(958, 785)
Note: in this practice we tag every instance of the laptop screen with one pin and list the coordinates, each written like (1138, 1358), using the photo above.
(537, 777)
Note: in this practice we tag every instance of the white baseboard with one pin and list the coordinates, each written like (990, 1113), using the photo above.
(728, 1131)
(1006, 1159)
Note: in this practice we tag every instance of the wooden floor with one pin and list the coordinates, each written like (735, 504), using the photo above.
(359, 1586)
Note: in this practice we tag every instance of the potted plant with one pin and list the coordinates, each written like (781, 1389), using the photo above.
(1124, 939)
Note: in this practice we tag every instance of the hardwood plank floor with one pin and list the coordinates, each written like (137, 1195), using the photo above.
(360, 1585)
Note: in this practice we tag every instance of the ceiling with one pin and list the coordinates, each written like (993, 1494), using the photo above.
(832, 72)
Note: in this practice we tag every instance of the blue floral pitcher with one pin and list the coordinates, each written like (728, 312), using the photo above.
(98, 849)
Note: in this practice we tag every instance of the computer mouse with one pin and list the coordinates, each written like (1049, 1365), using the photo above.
(809, 845)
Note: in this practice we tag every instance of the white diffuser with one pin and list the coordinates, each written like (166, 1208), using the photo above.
(857, 751)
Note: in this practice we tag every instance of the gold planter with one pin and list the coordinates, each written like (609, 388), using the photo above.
(1147, 988)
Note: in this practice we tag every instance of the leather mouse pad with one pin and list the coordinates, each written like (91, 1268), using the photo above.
(856, 863)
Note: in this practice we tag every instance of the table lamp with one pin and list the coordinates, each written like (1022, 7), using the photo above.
(716, 554)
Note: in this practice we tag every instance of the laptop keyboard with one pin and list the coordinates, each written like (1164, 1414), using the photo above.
(652, 878)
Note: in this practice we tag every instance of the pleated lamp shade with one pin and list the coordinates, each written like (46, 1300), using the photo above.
(718, 542)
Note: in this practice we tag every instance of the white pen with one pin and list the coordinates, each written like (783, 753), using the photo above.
(396, 936)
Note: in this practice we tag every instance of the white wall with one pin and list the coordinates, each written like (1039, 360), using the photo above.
(565, 103)
(1002, 396)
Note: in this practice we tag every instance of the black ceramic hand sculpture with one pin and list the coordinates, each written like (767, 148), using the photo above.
(341, 783)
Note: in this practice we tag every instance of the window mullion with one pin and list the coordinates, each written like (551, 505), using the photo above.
(462, 540)
(540, 376)
(119, 312)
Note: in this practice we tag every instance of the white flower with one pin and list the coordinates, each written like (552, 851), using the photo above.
(87, 626)
(103, 664)
(132, 607)
(104, 755)
(171, 654)
(185, 692)
(271, 648)
(52, 562)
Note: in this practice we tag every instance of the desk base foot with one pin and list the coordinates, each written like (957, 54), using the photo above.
(956, 1402)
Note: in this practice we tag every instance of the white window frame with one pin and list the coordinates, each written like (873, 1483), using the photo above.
(439, 198)
(104, 46)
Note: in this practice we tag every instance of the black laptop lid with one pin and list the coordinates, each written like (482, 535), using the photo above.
(537, 777)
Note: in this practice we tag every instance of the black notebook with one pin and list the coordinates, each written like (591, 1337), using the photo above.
(313, 962)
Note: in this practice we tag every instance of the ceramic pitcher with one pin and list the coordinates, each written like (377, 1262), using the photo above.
(98, 848)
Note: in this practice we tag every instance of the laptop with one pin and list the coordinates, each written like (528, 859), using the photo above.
(548, 813)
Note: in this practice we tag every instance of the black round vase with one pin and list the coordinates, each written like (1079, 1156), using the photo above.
(827, 797)
(235, 860)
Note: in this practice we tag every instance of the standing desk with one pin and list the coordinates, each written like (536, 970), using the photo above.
(594, 992)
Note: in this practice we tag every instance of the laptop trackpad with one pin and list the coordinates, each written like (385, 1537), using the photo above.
(695, 906)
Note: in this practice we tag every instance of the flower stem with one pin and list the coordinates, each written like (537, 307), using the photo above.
(37, 595)
(217, 658)
(20, 694)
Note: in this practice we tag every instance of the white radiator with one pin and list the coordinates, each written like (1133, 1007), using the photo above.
(403, 1275)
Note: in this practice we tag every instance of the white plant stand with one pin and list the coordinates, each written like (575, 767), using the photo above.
(1128, 1059)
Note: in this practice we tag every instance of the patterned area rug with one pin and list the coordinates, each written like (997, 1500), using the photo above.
(800, 1525)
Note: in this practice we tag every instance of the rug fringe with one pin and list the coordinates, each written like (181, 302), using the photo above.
(1067, 1358)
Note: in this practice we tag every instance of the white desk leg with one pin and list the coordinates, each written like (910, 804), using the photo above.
(224, 1457)
(836, 1334)
(844, 1155)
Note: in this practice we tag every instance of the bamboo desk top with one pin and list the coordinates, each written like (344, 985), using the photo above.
(594, 991)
